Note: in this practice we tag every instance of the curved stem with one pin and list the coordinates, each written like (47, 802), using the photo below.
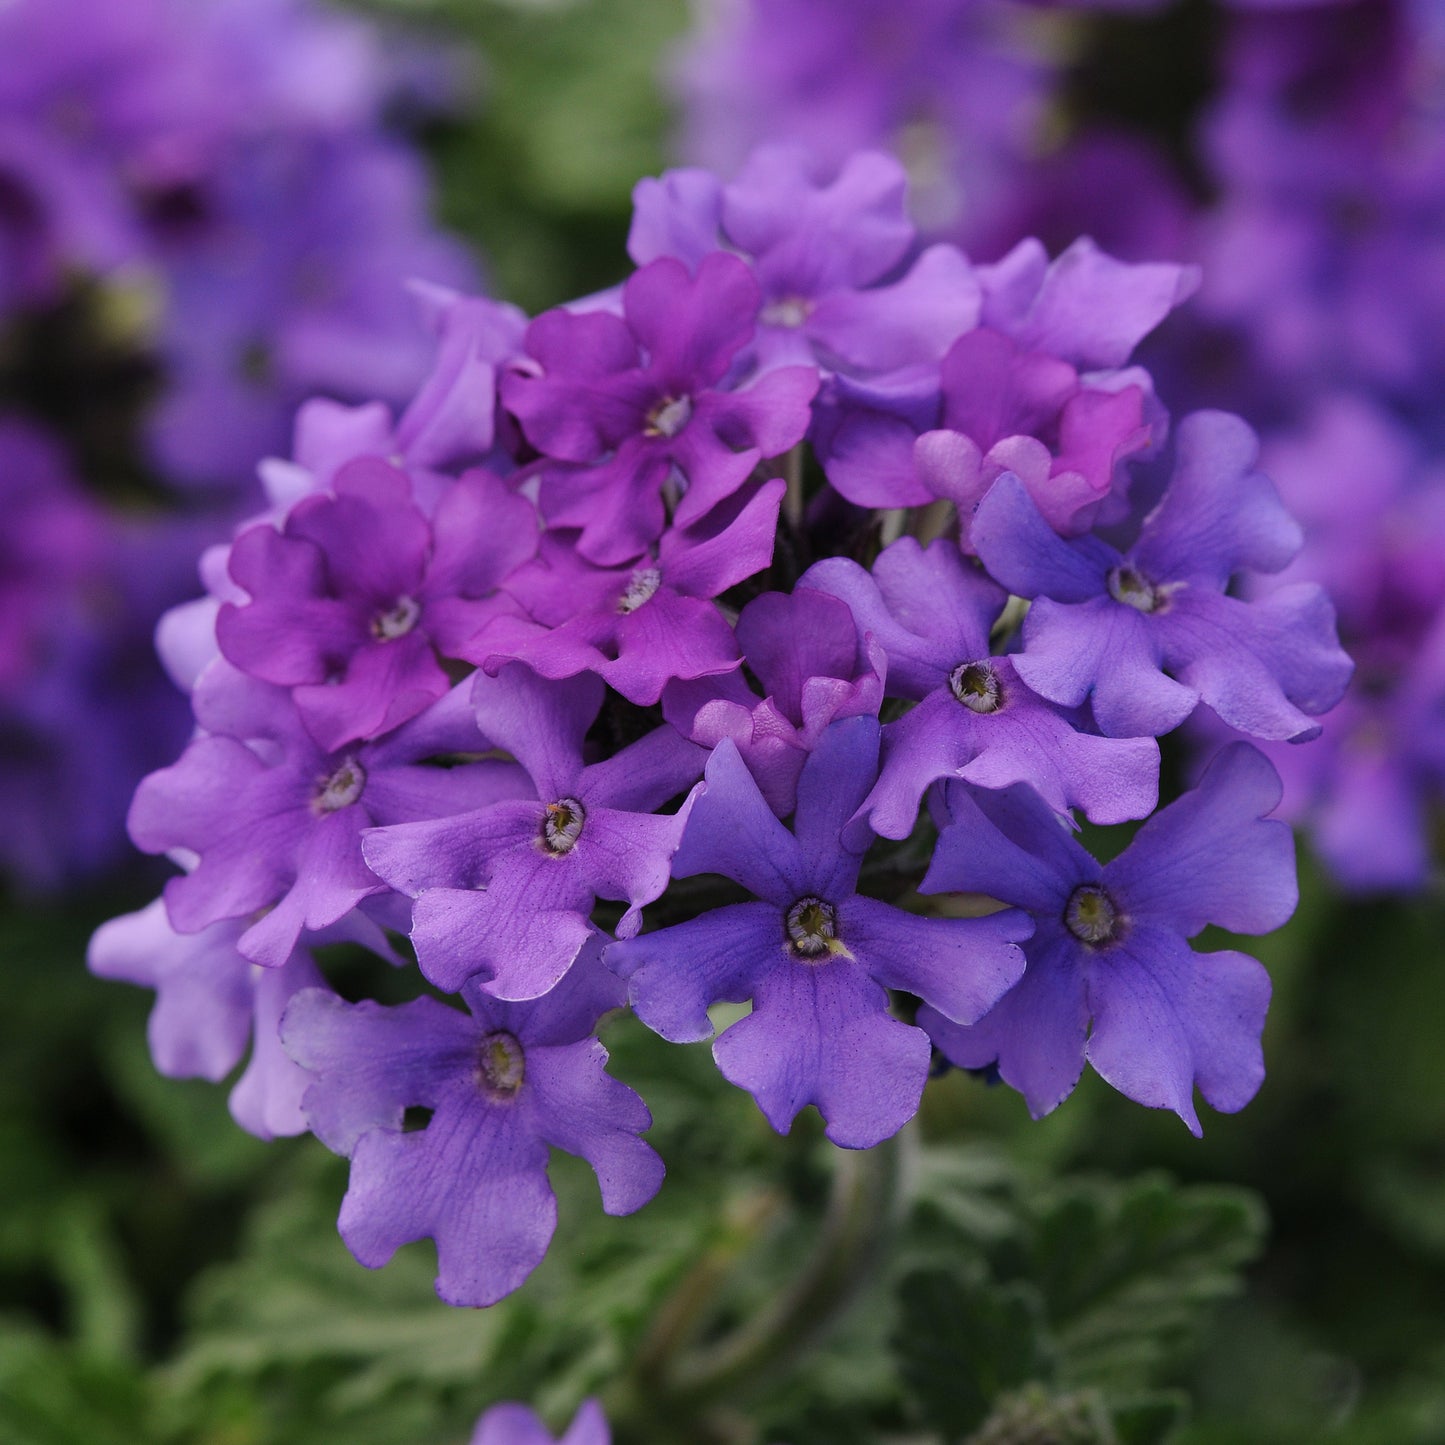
(854, 1237)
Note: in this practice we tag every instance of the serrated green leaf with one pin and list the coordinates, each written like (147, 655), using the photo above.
(961, 1343)
(1127, 1272)
(297, 1297)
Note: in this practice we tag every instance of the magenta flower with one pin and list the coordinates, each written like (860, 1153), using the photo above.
(804, 649)
(1040, 388)
(631, 403)
(644, 624)
(359, 599)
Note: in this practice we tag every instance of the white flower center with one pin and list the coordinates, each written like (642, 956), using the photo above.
(341, 789)
(975, 685)
(1092, 916)
(669, 416)
(397, 621)
(640, 587)
(562, 825)
(812, 928)
(1129, 586)
(787, 311)
(501, 1065)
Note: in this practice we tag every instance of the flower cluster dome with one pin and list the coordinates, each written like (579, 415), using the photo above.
(648, 657)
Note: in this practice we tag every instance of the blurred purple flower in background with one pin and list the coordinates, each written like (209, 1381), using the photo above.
(516, 1425)
(215, 188)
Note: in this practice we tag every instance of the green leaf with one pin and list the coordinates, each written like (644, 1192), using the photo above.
(51, 1394)
(1128, 1271)
(296, 1297)
(1148, 1419)
(961, 1343)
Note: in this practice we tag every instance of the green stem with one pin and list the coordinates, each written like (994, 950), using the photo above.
(854, 1237)
(793, 497)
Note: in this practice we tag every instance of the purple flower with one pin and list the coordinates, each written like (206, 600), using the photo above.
(276, 822)
(94, 100)
(52, 542)
(814, 956)
(1326, 148)
(1117, 185)
(359, 599)
(501, 1086)
(825, 246)
(1010, 396)
(804, 648)
(643, 624)
(297, 290)
(506, 891)
(945, 86)
(1083, 307)
(236, 154)
(517, 1425)
(1010, 410)
(452, 420)
(931, 612)
(1148, 633)
(631, 402)
(84, 710)
(211, 1002)
(1374, 517)
(1110, 977)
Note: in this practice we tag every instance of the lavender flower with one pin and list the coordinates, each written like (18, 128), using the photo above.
(422, 680)
(976, 720)
(1110, 977)
(1147, 634)
(211, 1002)
(502, 1085)
(812, 955)
(517, 1425)
(506, 890)
(276, 822)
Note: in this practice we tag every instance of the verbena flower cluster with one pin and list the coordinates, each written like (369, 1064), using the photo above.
(810, 566)
(203, 221)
